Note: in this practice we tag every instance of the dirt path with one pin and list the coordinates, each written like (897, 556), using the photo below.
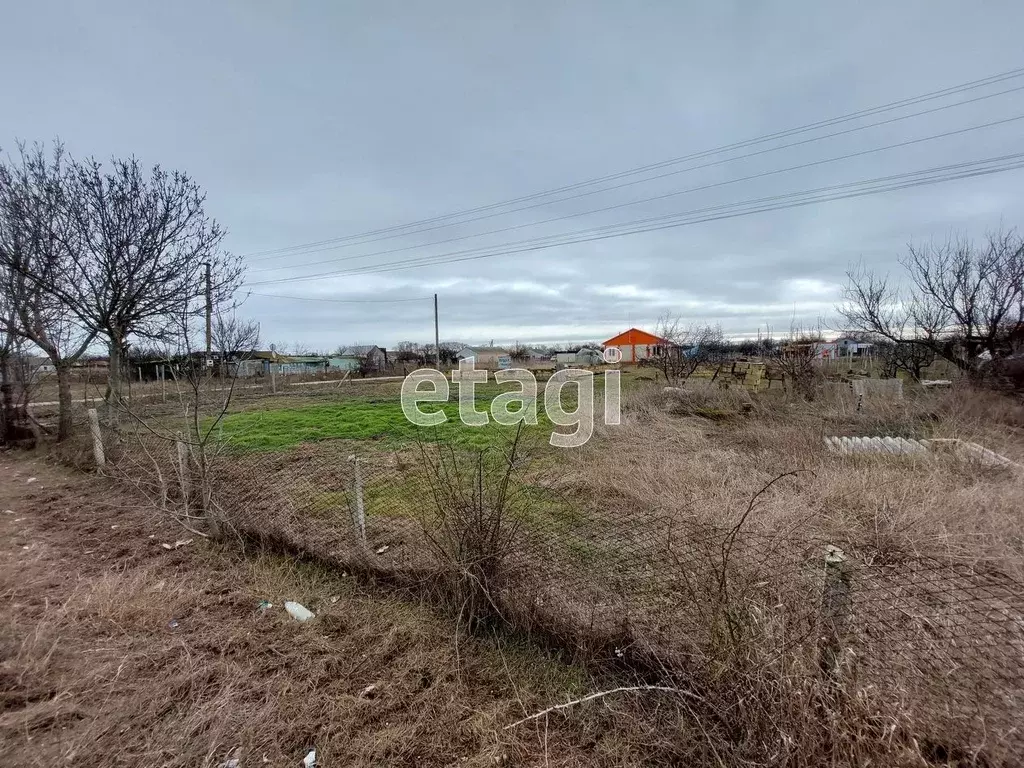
(117, 650)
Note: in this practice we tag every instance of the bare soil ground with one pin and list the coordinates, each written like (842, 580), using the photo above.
(115, 650)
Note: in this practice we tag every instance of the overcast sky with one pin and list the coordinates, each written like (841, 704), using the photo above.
(313, 121)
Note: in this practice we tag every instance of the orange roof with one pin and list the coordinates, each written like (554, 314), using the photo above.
(634, 336)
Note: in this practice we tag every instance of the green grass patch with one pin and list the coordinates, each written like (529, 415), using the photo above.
(359, 419)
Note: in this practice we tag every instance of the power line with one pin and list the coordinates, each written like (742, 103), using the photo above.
(557, 238)
(930, 96)
(341, 301)
(895, 182)
(664, 196)
(620, 186)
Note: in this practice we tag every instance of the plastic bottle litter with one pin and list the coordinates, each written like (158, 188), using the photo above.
(309, 761)
(264, 605)
(298, 612)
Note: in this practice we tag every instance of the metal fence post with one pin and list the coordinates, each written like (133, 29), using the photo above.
(836, 604)
(358, 511)
(97, 437)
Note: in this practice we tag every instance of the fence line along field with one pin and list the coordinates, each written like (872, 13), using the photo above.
(871, 604)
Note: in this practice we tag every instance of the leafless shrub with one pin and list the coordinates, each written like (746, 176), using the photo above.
(685, 348)
(796, 362)
(473, 521)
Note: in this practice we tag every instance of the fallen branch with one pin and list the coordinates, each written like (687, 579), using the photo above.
(602, 694)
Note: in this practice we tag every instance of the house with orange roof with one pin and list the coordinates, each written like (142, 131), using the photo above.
(637, 345)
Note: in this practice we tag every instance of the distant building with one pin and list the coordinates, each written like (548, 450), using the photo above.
(484, 357)
(265, 362)
(637, 345)
(344, 362)
(589, 356)
(847, 346)
(39, 365)
(376, 357)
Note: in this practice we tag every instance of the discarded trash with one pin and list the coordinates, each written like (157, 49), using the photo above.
(369, 691)
(233, 761)
(309, 761)
(8, 511)
(175, 545)
(383, 549)
(263, 605)
(113, 527)
(334, 599)
(173, 624)
(298, 611)
(31, 480)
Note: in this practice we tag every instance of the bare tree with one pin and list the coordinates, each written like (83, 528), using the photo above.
(147, 246)
(11, 348)
(796, 361)
(409, 352)
(234, 338)
(37, 252)
(961, 301)
(685, 348)
(904, 356)
(520, 353)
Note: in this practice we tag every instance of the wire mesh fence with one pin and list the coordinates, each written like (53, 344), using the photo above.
(500, 535)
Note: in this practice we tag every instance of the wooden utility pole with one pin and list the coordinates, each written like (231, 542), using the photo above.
(209, 317)
(437, 336)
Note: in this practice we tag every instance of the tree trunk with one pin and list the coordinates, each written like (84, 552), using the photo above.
(6, 400)
(114, 379)
(65, 420)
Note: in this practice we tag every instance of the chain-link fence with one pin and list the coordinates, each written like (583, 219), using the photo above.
(922, 643)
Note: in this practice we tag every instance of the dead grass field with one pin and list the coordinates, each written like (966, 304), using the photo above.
(643, 551)
(92, 672)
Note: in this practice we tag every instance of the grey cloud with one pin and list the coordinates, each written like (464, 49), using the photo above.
(316, 120)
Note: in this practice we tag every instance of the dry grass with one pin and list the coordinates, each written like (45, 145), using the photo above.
(935, 549)
(92, 673)
(648, 554)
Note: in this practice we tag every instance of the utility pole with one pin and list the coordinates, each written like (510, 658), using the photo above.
(437, 336)
(209, 318)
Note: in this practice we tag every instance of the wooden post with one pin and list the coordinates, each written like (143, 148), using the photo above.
(163, 382)
(358, 511)
(97, 437)
(836, 605)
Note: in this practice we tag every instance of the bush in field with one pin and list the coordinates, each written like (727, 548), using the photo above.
(472, 522)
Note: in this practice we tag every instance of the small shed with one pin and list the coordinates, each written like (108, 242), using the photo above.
(484, 357)
(589, 356)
